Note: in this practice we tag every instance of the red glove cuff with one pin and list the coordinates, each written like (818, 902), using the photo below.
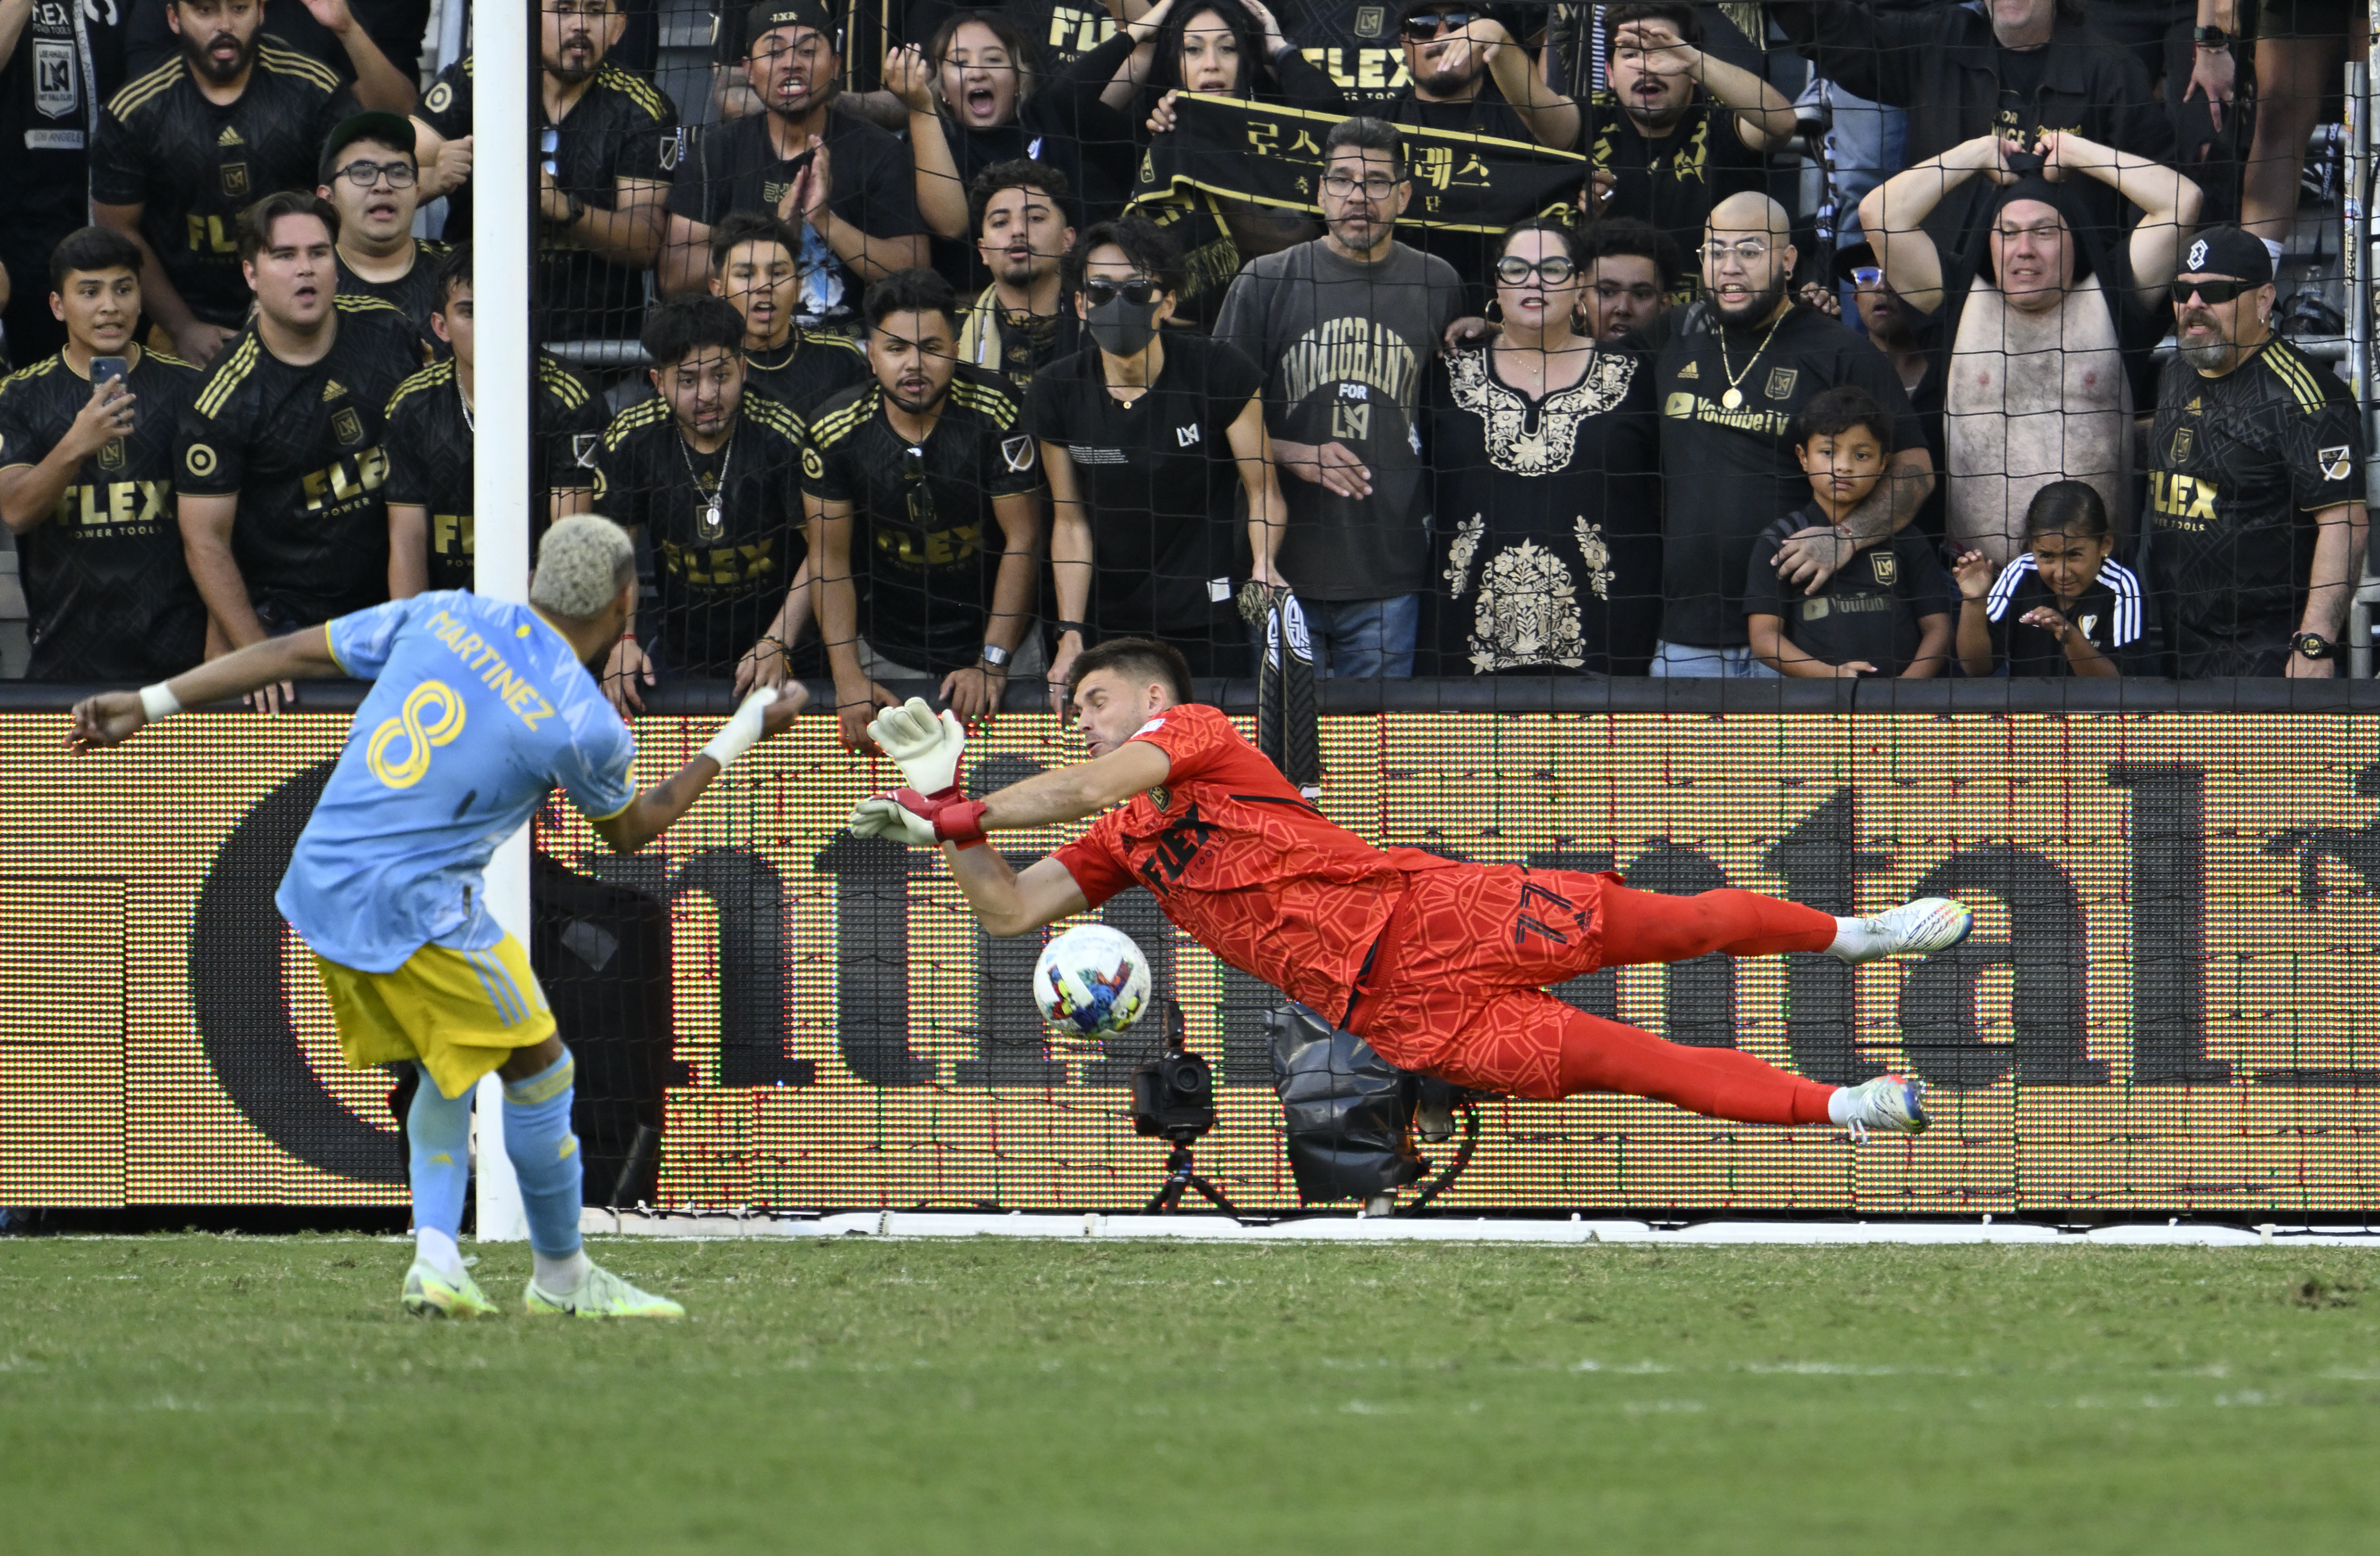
(955, 819)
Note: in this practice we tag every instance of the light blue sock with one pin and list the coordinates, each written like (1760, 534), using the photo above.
(438, 1154)
(545, 1156)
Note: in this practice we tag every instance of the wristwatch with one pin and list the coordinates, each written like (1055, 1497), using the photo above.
(2212, 37)
(2314, 645)
(995, 656)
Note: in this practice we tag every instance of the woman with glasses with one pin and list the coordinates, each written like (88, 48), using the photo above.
(1123, 93)
(1547, 454)
(1150, 438)
(972, 102)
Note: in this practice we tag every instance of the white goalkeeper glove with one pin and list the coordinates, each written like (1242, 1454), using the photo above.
(882, 816)
(925, 746)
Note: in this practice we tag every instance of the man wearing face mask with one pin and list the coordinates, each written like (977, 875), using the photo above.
(1345, 328)
(1149, 442)
(2255, 529)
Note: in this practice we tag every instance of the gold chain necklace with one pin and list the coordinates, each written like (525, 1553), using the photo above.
(1733, 398)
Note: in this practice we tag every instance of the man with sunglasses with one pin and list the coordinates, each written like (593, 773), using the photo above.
(2045, 324)
(1345, 328)
(370, 178)
(1469, 75)
(2255, 529)
(1733, 370)
(1886, 320)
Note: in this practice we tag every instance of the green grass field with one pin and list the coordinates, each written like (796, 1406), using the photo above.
(205, 1393)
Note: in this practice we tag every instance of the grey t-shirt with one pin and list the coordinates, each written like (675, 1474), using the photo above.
(1345, 349)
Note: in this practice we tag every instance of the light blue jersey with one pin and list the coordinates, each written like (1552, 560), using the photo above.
(481, 711)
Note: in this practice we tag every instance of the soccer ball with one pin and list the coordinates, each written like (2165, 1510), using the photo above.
(1090, 981)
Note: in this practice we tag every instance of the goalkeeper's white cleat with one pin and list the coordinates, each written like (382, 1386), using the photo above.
(601, 1295)
(1895, 1104)
(1915, 929)
(432, 1293)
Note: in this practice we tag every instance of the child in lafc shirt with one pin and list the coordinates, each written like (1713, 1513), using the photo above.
(2066, 607)
(1887, 610)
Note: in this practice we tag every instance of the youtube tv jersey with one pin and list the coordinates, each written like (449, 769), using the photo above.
(1245, 865)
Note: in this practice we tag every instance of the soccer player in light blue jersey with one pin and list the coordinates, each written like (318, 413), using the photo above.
(481, 708)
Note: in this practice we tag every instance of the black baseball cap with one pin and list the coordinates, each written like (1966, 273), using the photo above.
(767, 16)
(2224, 249)
(389, 129)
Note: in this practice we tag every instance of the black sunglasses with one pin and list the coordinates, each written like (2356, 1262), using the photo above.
(1429, 24)
(2220, 291)
(1137, 292)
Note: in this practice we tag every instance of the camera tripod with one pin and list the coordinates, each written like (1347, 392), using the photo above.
(1182, 1174)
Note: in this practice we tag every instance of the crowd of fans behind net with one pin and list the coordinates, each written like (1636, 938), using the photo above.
(1811, 338)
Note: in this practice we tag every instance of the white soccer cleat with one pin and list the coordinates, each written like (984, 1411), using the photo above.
(1895, 1104)
(1915, 929)
(601, 1295)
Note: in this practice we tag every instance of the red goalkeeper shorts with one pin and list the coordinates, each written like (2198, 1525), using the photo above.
(1457, 988)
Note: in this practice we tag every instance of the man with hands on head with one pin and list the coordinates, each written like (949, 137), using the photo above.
(2044, 321)
(1679, 130)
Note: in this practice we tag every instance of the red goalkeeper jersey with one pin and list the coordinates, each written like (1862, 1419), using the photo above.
(1243, 864)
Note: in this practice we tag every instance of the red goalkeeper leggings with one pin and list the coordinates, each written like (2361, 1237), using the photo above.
(1457, 989)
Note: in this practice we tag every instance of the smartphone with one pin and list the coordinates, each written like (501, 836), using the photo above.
(105, 368)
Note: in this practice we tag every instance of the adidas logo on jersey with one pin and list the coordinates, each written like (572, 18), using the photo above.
(230, 136)
(1692, 369)
(333, 390)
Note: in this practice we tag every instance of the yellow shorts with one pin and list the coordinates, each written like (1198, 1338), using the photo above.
(460, 1014)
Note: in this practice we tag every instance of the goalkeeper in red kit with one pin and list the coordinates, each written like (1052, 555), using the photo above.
(1441, 965)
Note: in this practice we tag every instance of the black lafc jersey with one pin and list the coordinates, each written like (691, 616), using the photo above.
(103, 575)
(193, 167)
(807, 370)
(430, 465)
(2240, 466)
(303, 447)
(1673, 182)
(414, 294)
(622, 128)
(925, 543)
(725, 527)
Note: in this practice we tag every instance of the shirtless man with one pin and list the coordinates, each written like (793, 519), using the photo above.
(2040, 325)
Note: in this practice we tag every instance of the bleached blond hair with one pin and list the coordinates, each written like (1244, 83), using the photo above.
(582, 566)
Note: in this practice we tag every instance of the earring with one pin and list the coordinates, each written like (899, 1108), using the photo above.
(1495, 310)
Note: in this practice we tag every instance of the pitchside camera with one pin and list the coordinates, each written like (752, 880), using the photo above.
(1173, 1094)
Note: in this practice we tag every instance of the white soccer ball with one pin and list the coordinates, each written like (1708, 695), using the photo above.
(1090, 981)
